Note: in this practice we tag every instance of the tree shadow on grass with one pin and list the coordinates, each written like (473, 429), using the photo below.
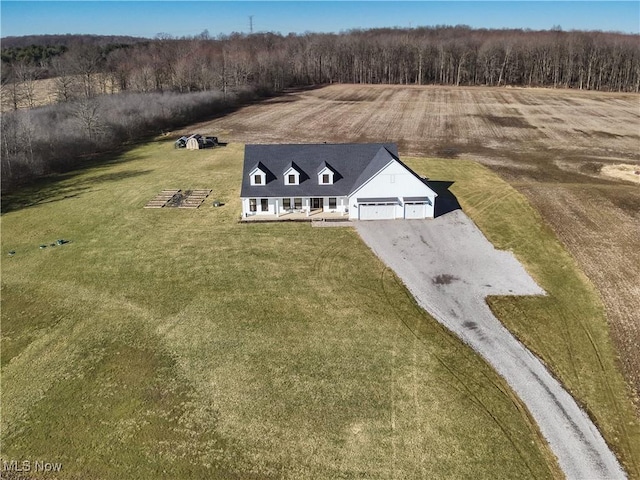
(446, 201)
(55, 188)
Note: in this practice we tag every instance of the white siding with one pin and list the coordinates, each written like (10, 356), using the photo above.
(342, 205)
(271, 206)
(417, 210)
(393, 181)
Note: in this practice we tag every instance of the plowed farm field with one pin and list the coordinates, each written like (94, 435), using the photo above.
(555, 146)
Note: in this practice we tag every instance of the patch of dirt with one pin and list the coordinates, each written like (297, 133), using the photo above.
(514, 122)
(448, 152)
(630, 173)
(591, 167)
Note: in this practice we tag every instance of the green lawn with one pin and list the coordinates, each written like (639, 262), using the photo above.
(181, 344)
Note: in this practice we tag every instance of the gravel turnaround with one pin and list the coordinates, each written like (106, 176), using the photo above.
(450, 267)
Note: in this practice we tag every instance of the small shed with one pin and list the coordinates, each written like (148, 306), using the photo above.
(194, 142)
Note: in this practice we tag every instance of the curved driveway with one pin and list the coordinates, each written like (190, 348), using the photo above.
(450, 267)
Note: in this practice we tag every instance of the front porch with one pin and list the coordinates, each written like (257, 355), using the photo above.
(298, 216)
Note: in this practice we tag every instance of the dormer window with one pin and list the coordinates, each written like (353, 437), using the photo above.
(258, 176)
(291, 175)
(325, 175)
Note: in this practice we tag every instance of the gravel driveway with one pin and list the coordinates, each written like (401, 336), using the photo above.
(450, 267)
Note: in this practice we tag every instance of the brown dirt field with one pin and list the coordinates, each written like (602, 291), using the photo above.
(448, 120)
(601, 230)
(550, 144)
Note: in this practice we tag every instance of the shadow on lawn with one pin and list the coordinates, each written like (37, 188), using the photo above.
(445, 201)
(55, 188)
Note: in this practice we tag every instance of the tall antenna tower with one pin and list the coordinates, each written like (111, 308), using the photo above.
(250, 24)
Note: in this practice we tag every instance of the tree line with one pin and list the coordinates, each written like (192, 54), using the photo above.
(458, 55)
(60, 137)
(33, 54)
(111, 92)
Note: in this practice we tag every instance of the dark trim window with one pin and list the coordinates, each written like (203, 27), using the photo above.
(332, 203)
(264, 204)
(292, 179)
(257, 179)
(325, 178)
(252, 204)
(297, 203)
(286, 203)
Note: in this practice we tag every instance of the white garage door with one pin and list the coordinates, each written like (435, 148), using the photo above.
(377, 212)
(414, 210)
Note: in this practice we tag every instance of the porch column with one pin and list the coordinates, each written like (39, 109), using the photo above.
(308, 206)
(277, 211)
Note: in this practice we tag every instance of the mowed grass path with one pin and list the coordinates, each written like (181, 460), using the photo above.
(180, 344)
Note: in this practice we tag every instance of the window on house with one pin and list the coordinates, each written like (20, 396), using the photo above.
(264, 204)
(292, 179)
(325, 178)
(252, 204)
(257, 179)
(332, 202)
(297, 203)
(286, 203)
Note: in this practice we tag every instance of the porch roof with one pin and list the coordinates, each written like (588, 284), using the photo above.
(416, 199)
(379, 200)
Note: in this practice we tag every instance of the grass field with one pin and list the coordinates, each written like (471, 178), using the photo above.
(181, 344)
(554, 146)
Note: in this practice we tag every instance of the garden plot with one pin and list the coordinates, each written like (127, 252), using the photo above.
(194, 198)
(161, 199)
(179, 199)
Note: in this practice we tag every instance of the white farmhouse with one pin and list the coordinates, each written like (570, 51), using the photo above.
(361, 181)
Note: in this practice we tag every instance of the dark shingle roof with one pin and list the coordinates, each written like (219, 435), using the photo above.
(353, 164)
(324, 165)
(291, 165)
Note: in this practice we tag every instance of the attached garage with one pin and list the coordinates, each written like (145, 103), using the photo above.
(416, 207)
(414, 210)
(377, 208)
